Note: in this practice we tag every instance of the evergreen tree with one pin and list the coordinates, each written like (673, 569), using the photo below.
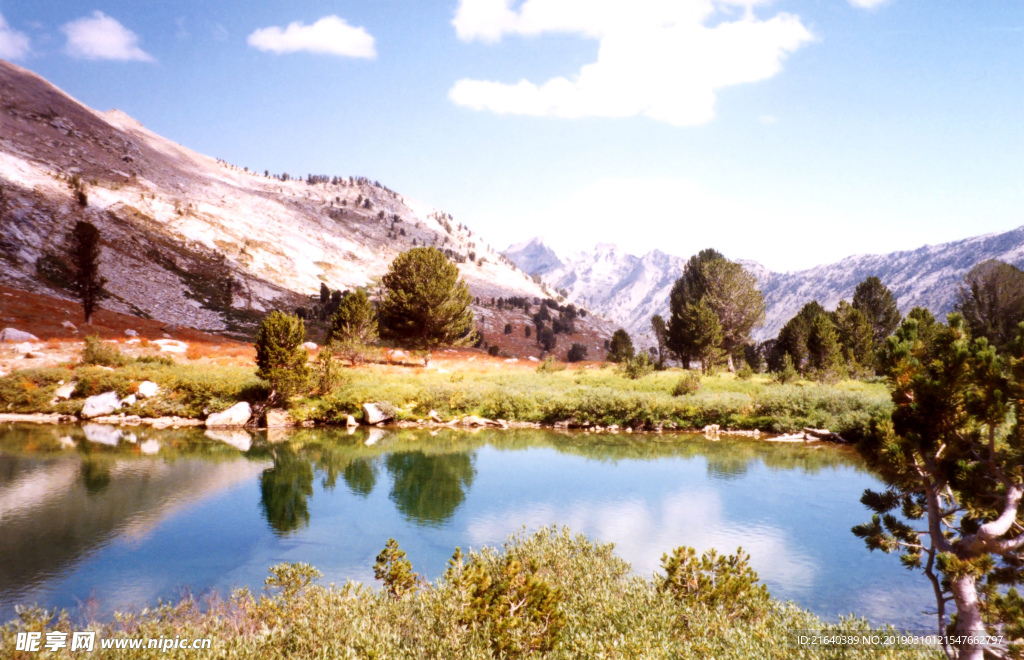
(577, 353)
(281, 359)
(85, 260)
(824, 352)
(621, 346)
(325, 293)
(877, 303)
(354, 325)
(991, 300)
(952, 456)
(856, 337)
(700, 328)
(792, 339)
(426, 304)
(660, 331)
(728, 290)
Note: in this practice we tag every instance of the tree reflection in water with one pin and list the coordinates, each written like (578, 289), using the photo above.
(428, 488)
(361, 476)
(284, 490)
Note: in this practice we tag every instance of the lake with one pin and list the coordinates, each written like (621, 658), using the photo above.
(91, 518)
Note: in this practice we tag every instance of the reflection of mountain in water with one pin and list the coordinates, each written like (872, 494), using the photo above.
(55, 512)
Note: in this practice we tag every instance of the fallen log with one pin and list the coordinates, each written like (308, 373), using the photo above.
(824, 434)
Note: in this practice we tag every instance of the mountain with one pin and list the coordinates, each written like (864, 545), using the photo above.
(190, 239)
(629, 290)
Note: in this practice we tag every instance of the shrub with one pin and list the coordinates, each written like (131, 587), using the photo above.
(745, 373)
(280, 357)
(714, 582)
(549, 365)
(577, 353)
(688, 383)
(30, 390)
(508, 328)
(99, 353)
(788, 373)
(395, 571)
(637, 366)
(493, 350)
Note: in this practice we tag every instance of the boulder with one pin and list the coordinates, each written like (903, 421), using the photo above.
(101, 404)
(310, 346)
(147, 389)
(351, 422)
(70, 326)
(473, 420)
(171, 345)
(373, 413)
(131, 333)
(102, 434)
(128, 400)
(237, 438)
(24, 348)
(236, 415)
(278, 418)
(533, 359)
(10, 334)
(434, 417)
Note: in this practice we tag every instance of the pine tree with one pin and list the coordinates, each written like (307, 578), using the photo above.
(426, 304)
(700, 329)
(85, 257)
(856, 337)
(952, 456)
(620, 348)
(824, 352)
(354, 325)
(395, 571)
(877, 303)
(325, 293)
(792, 339)
(281, 359)
(661, 336)
(577, 353)
(991, 300)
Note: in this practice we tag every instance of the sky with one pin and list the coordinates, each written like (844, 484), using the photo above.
(789, 132)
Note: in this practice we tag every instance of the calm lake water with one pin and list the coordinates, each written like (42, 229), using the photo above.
(123, 522)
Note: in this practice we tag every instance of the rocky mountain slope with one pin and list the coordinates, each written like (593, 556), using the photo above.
(192, 240)
(629, 290)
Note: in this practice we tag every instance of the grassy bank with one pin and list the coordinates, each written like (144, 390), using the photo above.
(578, 601)
(592, 396)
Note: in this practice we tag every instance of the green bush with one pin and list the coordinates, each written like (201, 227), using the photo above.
(280, 358)
(636, 367)
(688, 383)
(745, 373)
(550, 365)
(96, 352)
(30, 390)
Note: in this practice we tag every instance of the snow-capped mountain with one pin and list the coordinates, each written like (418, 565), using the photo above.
(629, 290)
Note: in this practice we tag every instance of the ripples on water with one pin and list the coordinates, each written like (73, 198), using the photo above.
(126, 518)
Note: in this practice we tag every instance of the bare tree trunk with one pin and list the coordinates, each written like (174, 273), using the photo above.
(968, 622)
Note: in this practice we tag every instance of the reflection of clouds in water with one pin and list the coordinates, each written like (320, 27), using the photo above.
(901, 605)
(643, 531)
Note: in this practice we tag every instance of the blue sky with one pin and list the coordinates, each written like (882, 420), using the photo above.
(790, 132)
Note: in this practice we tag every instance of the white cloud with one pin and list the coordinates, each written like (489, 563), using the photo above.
(330, 35)
(867, 4)
(14, 45)
(664, 59)
(100, 37)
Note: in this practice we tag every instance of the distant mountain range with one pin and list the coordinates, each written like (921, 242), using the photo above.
(629, 290)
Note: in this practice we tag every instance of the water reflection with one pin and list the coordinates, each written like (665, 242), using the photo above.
(135, 517)
(428, 488)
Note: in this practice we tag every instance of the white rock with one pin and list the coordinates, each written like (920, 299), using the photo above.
(70, 326)
(239, 439)
(102, 434)
(101, 404)
(310, 346)
(236, 415)
(147, 389)
(10, 334)
(131, 333)
(128, 400)
(351, 422)
(24, 348)
(533, 359)
(373, 414)
(472, 359)
(150, 447)
(278, 418)
(171, 345)
(374, 436)
(133, 341)
(512, 360)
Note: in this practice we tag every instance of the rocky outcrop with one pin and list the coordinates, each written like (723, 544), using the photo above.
(236, 415)
(278, 418)
(376, 413)
(14, 335)
(101, 404)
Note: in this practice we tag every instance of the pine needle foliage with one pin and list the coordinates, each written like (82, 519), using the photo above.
(426, 304)
(722, 582)
(281, 359)
(395, 571)
(85, 260)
